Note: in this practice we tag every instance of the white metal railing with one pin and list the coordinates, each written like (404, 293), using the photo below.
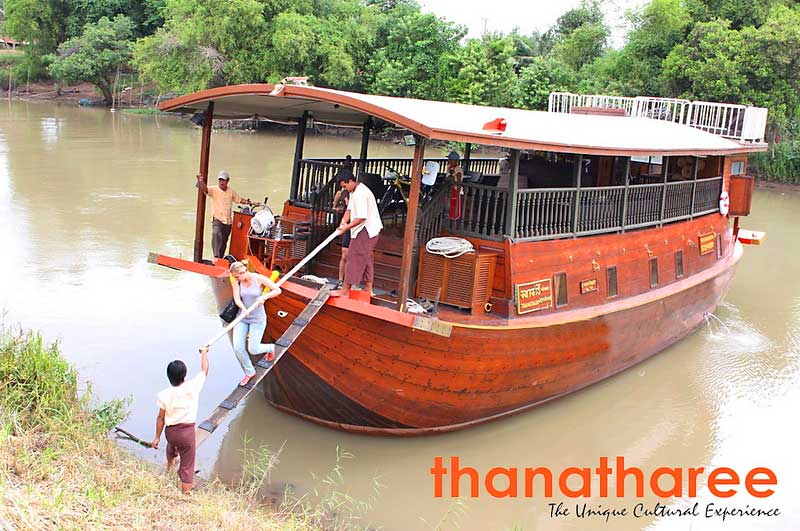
(738, 122)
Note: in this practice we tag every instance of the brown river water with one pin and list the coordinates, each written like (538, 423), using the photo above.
(85, 194)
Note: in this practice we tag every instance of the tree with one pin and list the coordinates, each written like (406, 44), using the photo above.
(483, 72)
(657, 29)
(412, 55)
(206, 43)
(96, 55)
(740, 13)
(583, 45)
(708, 65)
(771, 59)
(536, 81)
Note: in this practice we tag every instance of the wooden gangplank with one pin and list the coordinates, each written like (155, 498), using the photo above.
(217, 417)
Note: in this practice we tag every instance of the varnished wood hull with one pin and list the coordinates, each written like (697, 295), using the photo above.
(361, 373)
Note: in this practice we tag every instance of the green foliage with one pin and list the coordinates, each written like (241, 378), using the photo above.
(42, 23)
(483, 72)
(206, 43)
(536, 81)
(413, 52)
(96, 55)
(582, 45)
(37, 385)
(657, 29)
(708, 65)
(740, 13)
(781, 163)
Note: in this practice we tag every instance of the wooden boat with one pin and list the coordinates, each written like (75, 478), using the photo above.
(599, 241)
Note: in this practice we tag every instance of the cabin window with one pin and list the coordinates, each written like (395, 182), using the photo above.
(611, 281)
(560, 280)
(678, 264)
(719, 246)
(653, 272)
(737, 167)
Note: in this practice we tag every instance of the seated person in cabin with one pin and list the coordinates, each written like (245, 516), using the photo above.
(248, 290)
(364, 223)
(178, 412)
(222, 199)
(348, 163)
(340, 201)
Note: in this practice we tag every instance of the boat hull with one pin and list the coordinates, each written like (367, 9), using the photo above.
(353, 371)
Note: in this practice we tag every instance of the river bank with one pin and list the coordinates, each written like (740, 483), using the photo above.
(59, 470)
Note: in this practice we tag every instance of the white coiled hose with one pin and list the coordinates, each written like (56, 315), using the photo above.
(449, 247)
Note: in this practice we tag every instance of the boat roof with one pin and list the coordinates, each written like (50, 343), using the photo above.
(527, 130)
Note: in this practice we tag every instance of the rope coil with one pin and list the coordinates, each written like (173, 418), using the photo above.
(449, 247)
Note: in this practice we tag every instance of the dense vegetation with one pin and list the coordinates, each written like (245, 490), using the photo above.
(738, 51)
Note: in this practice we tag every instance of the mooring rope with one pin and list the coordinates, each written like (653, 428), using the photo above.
(449, 247)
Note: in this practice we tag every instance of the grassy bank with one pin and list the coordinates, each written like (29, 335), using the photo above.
(59, 470)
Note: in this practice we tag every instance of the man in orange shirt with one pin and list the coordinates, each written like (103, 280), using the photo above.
(222, 199)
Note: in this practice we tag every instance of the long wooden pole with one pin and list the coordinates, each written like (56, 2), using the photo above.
(280, 282)
(410, 235)
(200, 218)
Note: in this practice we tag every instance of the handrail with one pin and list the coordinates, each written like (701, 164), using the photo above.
(743, 123)
(546, 213)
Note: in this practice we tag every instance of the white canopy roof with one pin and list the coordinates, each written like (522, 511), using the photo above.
(572, 133)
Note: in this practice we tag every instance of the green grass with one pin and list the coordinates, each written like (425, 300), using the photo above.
(144, 110)
(781, 163)
(60, 471)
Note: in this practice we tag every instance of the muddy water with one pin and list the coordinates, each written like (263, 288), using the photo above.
(85, 195)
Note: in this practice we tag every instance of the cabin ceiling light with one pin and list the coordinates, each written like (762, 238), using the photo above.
(198, 119)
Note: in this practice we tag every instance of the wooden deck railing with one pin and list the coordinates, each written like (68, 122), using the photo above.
(546, 213)
(483, 213)
(541, 213)
(380, 166)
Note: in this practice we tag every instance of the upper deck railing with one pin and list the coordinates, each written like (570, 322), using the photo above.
(738, 122)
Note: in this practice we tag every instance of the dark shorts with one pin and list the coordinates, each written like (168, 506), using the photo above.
(346, 240)
(181, 442)
(359, 259)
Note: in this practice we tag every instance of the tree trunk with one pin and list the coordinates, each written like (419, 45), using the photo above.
(105, 89)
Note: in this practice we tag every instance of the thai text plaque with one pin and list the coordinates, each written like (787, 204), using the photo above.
(534, 296)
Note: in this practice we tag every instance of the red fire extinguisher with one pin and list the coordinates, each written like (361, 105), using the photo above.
(456, 202)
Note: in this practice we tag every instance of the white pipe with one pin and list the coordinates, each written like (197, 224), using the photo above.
(280, 282)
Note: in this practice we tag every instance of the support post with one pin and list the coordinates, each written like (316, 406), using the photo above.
(627, 189)
(576, 206)
(467, 156)
(362, 158)
(664, 177)
(513, 184)
(200, 216)
(409, 236)
(694, 186)
(298, 156)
